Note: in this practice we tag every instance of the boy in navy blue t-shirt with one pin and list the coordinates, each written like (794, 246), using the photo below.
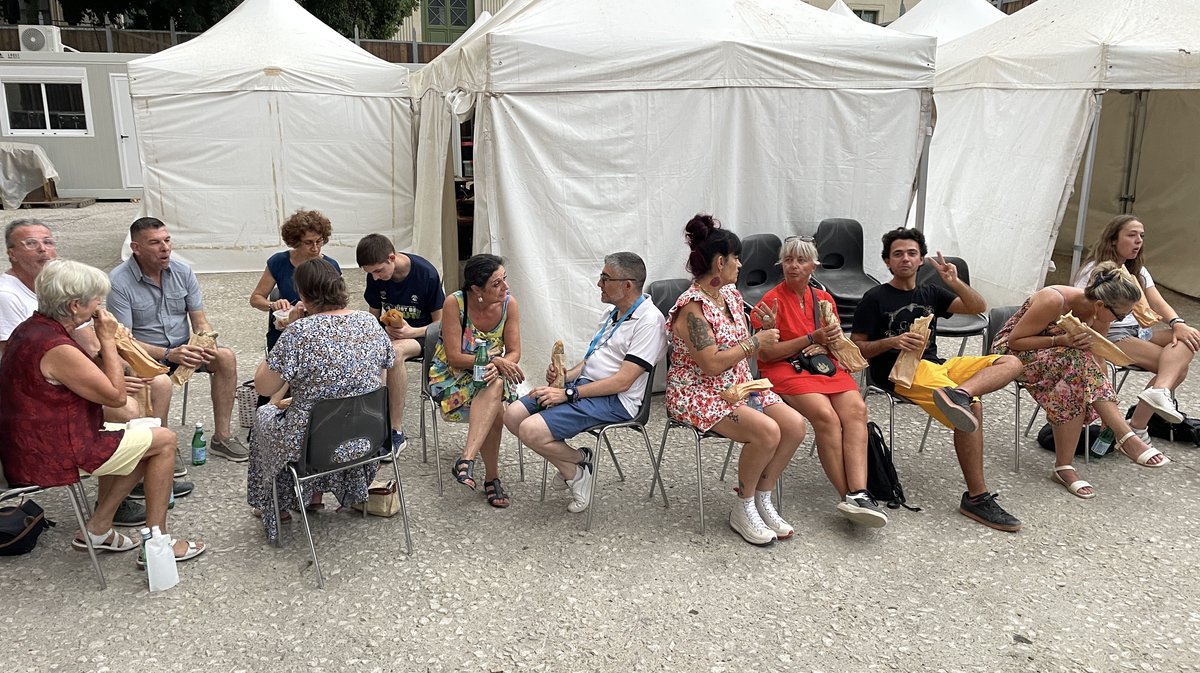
(408, 284)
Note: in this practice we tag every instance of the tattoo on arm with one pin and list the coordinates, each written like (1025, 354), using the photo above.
(699, 333)
(733, 417)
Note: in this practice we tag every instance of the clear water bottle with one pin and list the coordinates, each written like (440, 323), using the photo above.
(755, 401)
(199, 448)
(171, 497)
(145, 538)
(1103, 443)
(479, 375)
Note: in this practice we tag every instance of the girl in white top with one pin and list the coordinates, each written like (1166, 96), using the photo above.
(1167, 353)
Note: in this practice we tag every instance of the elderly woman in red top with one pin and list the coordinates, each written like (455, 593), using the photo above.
(52, 416)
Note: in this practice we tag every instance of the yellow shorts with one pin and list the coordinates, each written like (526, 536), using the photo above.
(134, 444)
(930, 376)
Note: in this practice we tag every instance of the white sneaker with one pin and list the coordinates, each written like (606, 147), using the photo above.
(766, 511)
(1160, 400)
(581, 488)
(744, 519)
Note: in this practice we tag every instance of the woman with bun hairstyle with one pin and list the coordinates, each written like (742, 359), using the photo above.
(1062, 374)
(711, 345)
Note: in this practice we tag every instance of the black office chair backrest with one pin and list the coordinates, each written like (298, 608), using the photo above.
(432, 334)
(928, 272)
(760, 262)
(840, 244)
(643, 414)
(335, 422)
(996, 319)
(664, 293)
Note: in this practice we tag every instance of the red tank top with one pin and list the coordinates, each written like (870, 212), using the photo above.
(47, 433)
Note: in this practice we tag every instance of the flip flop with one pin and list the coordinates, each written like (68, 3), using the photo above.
(1076, 486)
(101, 542)
(1144, 457)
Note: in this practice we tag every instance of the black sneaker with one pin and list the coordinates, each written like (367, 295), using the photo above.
(181, 488)
(988, 512)
(862, 509)
(957, 406)
(130, 513)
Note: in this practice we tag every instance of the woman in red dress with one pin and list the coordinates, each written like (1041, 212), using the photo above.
(831, 403)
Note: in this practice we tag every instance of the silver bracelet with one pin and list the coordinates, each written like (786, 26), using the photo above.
(1173, 321)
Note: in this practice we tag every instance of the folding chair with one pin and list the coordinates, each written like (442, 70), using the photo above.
(760, 266)
(83, 512)
(996, 319)
(432, 333)
(331, 424)
(600, 432)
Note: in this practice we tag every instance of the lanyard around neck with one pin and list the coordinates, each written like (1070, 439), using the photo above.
(596, 342)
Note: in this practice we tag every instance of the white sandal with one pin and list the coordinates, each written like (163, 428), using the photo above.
(1144, 457)
(1076, 486)
(101, 542)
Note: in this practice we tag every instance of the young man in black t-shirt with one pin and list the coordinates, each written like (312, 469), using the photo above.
(947, 390)
(411, 285)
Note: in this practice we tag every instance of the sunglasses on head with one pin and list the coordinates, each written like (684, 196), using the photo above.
(804, 239)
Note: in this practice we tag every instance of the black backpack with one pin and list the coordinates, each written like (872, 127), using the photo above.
(20, 528)
(1186, 431)
(882, 481)
(1045, 439)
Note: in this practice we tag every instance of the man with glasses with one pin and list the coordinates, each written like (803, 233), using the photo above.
(607, 386)
(30, 246)
(158, 299)
(948, 390)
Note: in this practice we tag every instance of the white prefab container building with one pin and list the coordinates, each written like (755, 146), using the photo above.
(75, 106)
(269, 111)
(605, 126)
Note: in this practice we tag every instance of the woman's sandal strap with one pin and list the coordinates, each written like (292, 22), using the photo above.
(495, 491)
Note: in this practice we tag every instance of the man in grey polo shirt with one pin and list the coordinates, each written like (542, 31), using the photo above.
(159, 299)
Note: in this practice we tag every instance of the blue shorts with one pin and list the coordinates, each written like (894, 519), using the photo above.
(567, 420)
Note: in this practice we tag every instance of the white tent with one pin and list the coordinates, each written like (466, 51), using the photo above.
(840, 8)
(947, 19)
(1017, 103)
(602, 126)
(268, 111)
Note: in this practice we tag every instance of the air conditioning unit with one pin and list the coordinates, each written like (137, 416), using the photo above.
(40, 38)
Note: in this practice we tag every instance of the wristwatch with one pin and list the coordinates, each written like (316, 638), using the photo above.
(572, 394)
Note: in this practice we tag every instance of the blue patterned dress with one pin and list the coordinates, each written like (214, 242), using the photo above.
(320, 357)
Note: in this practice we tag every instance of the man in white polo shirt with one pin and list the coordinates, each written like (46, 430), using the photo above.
(606, 387)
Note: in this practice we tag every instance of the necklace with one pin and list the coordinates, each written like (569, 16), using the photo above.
(715, 296)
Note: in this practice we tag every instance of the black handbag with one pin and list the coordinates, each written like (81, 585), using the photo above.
(20, 528)
(819, 364)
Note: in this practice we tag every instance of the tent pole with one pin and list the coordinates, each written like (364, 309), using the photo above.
(1086, 192)
(923, 179)
(1133, 155)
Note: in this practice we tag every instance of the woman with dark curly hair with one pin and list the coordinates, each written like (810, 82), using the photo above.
(305, 232)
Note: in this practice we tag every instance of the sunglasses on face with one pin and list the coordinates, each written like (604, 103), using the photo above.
(1117, 317)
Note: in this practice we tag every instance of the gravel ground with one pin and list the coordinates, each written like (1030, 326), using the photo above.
(1108, 584)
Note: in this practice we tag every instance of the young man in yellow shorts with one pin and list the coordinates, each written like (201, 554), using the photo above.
(948, 390)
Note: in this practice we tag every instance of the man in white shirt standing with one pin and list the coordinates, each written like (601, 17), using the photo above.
(606, 387)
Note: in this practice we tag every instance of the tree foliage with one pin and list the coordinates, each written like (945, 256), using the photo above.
(376, 19)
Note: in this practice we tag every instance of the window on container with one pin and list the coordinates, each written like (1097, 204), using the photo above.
(45, 108)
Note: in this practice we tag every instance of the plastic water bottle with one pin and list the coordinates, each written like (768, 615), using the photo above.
(755, 402)
(160, 561)
(199, 448)
(145, 538)
(479, 376)
(171, 497)
(1103, 443)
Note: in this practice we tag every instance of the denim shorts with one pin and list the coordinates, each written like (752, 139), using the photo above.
(567, 420)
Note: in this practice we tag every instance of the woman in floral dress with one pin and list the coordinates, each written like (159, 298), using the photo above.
(482, 309)
(326, 351)
(1064, 377)
(710, 346)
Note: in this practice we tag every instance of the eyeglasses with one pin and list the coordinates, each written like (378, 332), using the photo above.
(313, 243)
(1117, 317)
(33, 243)
(605, 279)
(805, 239)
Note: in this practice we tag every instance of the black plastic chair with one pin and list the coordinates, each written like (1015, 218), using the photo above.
(600, 432)
(840, 244)
(760, 266)
(664, 294)
(996, 319)
(331, 424)
(964, 325)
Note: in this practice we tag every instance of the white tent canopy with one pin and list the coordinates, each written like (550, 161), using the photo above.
(268, 111)
(603, 126)
(840, 8)
(947, 19)
(1015, 111)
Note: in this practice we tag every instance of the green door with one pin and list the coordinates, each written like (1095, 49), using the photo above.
(446, 20)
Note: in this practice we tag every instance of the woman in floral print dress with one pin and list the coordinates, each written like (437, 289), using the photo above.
(1064, 377)
(710, 346)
